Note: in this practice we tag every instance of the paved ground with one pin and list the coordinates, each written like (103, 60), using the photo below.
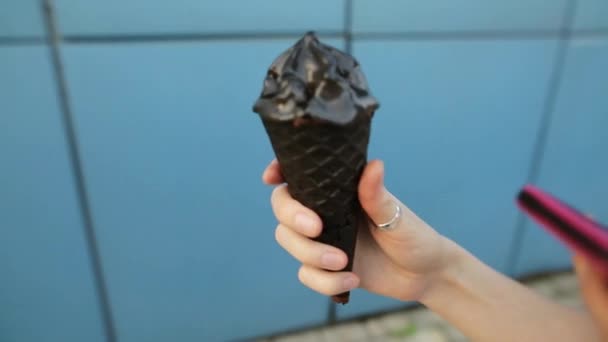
(421, 325)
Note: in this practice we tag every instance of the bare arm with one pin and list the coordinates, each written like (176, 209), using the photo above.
(488, 306)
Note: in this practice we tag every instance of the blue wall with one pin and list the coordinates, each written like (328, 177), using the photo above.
(478, 98)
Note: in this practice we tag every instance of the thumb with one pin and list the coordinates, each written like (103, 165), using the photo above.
(378, 203)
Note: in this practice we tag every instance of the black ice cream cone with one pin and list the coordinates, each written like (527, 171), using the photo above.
(317, 111)
(322, 165)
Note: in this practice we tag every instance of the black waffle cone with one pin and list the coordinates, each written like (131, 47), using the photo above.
(322, 165)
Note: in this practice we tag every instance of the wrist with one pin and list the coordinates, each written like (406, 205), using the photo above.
(448, 279)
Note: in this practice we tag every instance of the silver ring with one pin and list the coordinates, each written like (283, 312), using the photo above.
(390, 224)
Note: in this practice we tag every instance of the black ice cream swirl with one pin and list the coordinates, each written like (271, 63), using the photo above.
(314, 80)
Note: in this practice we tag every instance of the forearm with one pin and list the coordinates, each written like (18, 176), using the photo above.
(487, 306)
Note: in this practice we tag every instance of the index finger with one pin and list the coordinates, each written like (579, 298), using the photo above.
(272, 173)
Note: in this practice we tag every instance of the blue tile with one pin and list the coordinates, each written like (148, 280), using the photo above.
(591, 14)
(174, 154)
(21, 18)
(47, 291)
(456, 127)
(461, 15)
(575, 162)
(154, 17)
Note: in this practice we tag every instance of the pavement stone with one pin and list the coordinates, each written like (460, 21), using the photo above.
(572, 302)
(395, 321)
(425, 318)
(567, 285)
(427, 336)
(547, 289)
(348, 332)
(453, 334)
(374, 328)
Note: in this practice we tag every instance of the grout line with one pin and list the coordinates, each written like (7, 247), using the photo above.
(459, 35)
(589, 33)
(548, 111)
(185, 37)
(77, 169)
(347, 34)
(24, 40)
(348, 26)
(332, 315)
(480, 35)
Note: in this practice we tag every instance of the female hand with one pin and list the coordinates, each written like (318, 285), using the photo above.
(401, 263)
(594, 288)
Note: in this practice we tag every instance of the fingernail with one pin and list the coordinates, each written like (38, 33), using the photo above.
(305, 222)
(330, 259)
(350, 282)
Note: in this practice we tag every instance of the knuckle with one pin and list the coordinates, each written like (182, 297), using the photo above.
(310, 257)
(281, 207)
(307, 257)
(274, 195)
(327, 288)
(320, 283)
(302, 275)
(277, 233)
